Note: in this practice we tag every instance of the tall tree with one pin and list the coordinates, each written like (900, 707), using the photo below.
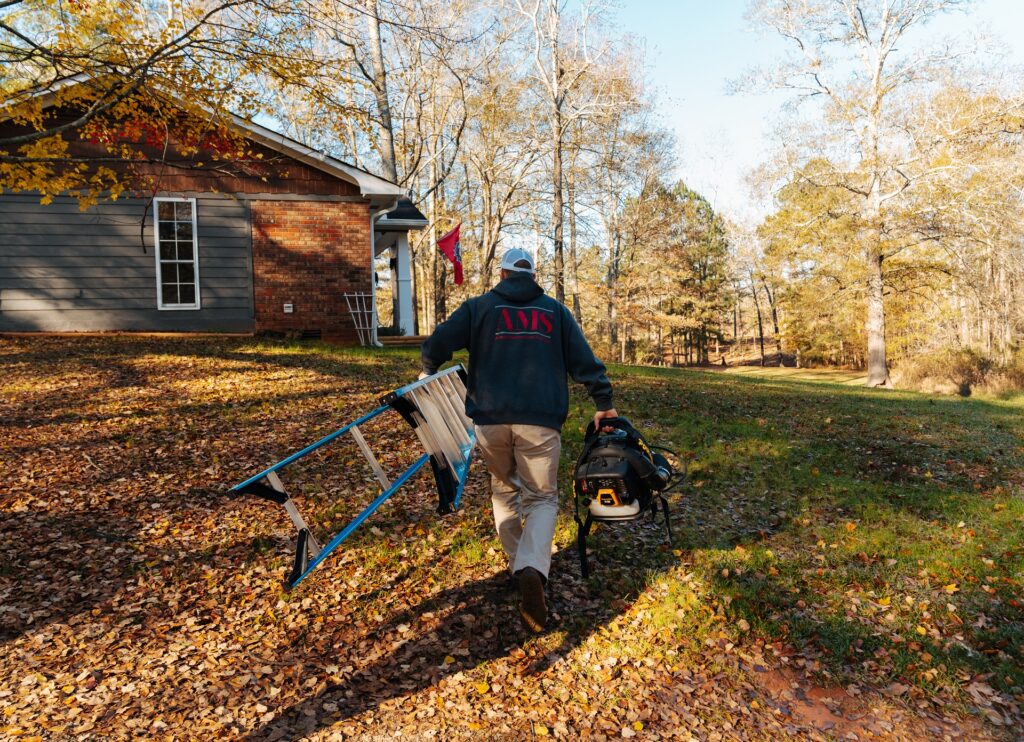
(563, 56)
(858, 56)
(501, 156)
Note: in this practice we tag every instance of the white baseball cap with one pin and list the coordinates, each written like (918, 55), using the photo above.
(515, 255)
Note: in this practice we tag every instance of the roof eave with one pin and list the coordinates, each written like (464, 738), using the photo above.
(370, 186)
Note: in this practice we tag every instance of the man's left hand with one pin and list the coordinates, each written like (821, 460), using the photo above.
(603, 415)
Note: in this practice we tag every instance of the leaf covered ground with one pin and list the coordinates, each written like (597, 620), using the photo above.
(847, 563)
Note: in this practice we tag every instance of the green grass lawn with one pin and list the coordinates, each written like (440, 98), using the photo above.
(846, 541)
(881, 531)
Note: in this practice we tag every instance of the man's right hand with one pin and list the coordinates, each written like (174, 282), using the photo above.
(604, 415)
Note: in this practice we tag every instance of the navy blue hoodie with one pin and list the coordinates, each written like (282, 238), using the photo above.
(521, 344)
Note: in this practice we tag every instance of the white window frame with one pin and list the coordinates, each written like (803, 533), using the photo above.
(156, 255)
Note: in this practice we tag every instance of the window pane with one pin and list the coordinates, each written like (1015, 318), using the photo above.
(175, 256)
(170, 293)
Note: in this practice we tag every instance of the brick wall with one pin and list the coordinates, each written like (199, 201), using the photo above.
(309, 254)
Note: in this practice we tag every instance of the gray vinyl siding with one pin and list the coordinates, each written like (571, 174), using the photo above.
(62, 269)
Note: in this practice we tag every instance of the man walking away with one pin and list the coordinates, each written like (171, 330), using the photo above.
(522, 344)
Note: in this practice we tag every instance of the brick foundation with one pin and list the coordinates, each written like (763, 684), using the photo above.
(309, 254)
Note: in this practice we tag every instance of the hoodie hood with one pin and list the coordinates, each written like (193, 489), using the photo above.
(521, 288)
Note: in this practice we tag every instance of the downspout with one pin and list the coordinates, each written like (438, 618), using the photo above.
(376, 214)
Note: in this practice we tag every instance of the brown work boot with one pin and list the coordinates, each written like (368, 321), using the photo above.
(531, 599)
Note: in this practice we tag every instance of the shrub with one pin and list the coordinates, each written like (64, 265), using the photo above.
(968, 368)
(961, 371)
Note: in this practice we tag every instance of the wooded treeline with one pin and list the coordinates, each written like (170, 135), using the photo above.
(899, 194)
(897, 190)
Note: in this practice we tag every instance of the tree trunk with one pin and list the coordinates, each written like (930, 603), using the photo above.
(775, 319)
(441, 298)
(987, 328)
(963, 324)
(577, 310)
(380, 92)
(557, 206)
(612, 280)
(489, 242)
(760, 325)
(1005, 323)
(878, 369)
(557, 100)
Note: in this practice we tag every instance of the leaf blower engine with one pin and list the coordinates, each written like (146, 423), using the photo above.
(619, 478)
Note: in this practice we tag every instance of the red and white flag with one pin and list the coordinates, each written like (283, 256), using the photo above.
(449, 245)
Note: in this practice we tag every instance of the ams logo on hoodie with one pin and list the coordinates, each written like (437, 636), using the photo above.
(524, 323)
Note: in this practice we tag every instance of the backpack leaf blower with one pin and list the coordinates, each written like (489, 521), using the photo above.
(618, 477)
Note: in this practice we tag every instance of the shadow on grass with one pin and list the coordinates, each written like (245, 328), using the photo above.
(471, 623)
(53, 567)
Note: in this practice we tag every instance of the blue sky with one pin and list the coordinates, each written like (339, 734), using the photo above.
(694, 47)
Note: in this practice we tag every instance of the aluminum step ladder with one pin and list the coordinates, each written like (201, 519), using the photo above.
(435, 408)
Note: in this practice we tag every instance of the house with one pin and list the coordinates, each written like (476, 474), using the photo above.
(285, 248)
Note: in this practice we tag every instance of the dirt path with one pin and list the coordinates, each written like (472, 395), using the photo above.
(829, 375)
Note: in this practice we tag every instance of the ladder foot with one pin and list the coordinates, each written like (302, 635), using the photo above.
(301, 563)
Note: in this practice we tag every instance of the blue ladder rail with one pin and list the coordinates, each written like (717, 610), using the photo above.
(347, 531)
(309, 449)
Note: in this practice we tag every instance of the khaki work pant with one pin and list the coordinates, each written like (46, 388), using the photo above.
(523, 464)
